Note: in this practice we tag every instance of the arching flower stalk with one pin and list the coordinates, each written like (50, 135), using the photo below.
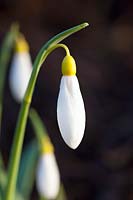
(23, 115)
(21, 68)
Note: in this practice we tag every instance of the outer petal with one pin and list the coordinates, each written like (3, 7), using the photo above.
(47, 177)
(70, 111)
(20, 72)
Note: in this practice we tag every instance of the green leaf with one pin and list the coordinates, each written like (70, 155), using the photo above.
(38, 127)
(5, 53)
(27, 169)
(3, 180)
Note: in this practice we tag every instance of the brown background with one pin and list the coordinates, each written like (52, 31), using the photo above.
(102, 167)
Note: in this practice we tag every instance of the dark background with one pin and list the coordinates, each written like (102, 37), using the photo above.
(102, 166)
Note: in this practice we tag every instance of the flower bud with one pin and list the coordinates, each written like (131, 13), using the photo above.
(47, 176)
(70, 108)
(21, 68)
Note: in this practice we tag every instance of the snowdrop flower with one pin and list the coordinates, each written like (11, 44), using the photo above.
(21, 68)
(47, 176)
(70, 105)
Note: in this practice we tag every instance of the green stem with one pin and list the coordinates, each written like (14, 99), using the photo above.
(5, 53)
(39, 128)
(22, 119)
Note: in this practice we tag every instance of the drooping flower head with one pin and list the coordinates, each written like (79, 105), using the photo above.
(47, 176)
(70, 105)
(21, 68)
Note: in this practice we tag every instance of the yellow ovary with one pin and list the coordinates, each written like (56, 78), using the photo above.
(68, 66)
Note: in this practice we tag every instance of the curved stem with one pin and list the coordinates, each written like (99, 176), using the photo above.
(55, 47)
(39, 128)
(36, 69)
(22, 118)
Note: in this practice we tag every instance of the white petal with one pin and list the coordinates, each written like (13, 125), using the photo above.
(70, 111)
(21, 68)
(47, 177)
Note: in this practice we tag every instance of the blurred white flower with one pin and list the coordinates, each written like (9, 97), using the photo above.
(70, 105)
(21, 68)
(47, 176)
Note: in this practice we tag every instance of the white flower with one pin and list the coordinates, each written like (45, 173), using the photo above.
(20, 72)
(70, 107)
(47, 177)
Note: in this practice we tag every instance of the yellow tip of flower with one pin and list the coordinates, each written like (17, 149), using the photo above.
(21, 44)
(47, 147)
(68, 66)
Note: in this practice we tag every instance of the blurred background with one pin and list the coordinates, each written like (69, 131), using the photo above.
(102, 166)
